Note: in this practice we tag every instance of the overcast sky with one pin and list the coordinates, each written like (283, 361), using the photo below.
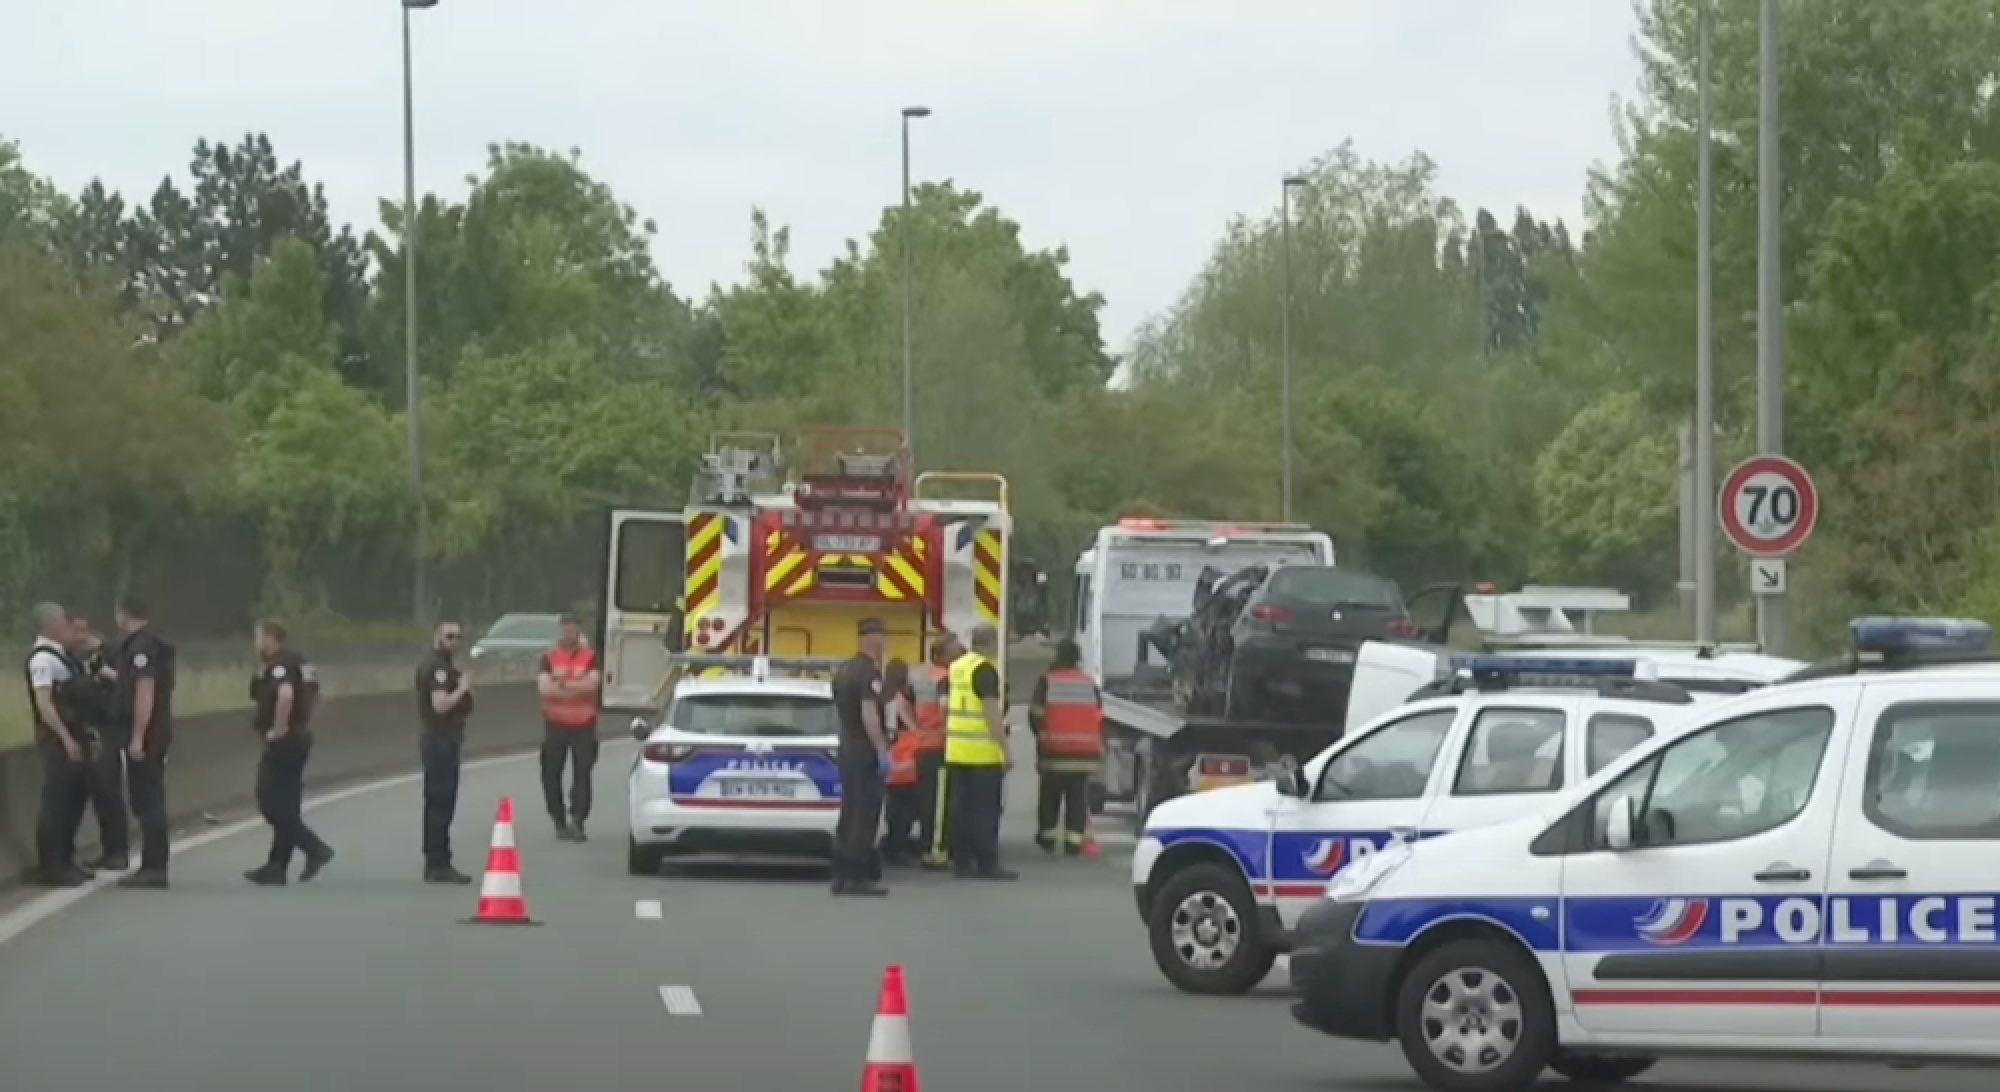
(1132, 130)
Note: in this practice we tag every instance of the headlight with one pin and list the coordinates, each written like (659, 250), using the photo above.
(1363, 876)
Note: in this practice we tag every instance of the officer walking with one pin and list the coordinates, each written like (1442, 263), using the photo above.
(285, 691)
(976, 760)
(143, 713)
(864, 763)
(103, 746)
(568, 683)
(444, 701)
(932, 684)
(52, 688)
(1067, 717)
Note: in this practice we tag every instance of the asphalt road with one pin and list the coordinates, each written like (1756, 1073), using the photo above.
(365, 979)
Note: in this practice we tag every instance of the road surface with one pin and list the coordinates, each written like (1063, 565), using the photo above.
(730, 980)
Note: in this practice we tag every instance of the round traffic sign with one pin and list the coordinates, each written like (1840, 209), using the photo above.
(1768, 506)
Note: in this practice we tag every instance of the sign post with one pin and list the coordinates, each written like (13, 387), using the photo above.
(1768, 507)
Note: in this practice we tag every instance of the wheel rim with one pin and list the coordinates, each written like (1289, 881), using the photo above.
(1206, 931)
(1472, 1020)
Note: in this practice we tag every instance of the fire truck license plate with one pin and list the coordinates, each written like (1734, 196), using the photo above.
(847, 544)
(760, 789)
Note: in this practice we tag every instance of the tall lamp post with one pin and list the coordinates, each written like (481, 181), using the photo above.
(1703, 504)
(910, 113)
(1770, 305)
(1285, 339)
(420, 605)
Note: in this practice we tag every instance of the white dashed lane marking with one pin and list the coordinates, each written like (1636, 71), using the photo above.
(646, 910)
(680, 1001)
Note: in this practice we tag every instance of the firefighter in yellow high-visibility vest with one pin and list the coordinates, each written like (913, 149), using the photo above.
(975, 759)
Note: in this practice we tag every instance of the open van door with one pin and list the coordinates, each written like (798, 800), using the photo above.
(1386, 674)
(644, 580)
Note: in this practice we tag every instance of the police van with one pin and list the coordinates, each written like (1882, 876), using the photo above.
(1435, 743)
(740, 762)
(1809, 869)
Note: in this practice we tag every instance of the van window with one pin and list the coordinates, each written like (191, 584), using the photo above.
(1083, 604)
(1513, 751)
(652, 565)
(1610, 735)
(1730, 781)
(1934, 771)
(1391, 763)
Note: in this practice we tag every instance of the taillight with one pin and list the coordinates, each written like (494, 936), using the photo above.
(1270, 612)
(668, 753)
(1403, 627)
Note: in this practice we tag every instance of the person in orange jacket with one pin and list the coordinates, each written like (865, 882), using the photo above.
(901, 807)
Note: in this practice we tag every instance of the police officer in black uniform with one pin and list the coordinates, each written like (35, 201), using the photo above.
(104, 747)
(285, 692)
(444, 701)
(53, 692)
(143, 720)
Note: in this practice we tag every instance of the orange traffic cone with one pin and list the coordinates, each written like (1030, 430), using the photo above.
(1090, 844)
(891, 1067)
(500, 898)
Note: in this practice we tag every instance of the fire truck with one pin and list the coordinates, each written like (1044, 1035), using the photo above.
(784, 557)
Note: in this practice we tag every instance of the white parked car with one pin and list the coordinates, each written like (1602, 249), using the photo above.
(1809, 869)
(736, 765)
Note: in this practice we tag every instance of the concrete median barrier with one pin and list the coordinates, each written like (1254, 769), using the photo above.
(212, 768)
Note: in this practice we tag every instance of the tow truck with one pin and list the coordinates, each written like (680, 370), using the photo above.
(776, 559)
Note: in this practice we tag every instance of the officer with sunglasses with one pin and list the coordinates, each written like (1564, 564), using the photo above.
(444, 701)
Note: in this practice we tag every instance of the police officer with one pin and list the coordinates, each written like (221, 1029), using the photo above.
(976, 759)
(864, 763)
(104, 747)
(285, 691)
(143, 714)
(52, 701)
(444, 701)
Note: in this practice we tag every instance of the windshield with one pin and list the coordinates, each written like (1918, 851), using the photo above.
(519, 627)
(1331, 587)
(757, 716)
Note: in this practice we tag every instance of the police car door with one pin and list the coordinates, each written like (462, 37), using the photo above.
(1364, 787)
(1910, 929)
(1707, 924)
(1517, 752)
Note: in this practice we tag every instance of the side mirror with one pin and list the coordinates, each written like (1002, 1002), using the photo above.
(1619, 831)
(640, 729)
(1292, 783)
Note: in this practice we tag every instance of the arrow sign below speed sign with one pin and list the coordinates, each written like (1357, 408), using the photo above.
(1768, 506)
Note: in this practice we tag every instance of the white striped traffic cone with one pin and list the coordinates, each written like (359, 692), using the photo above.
(891, 1066)
(500, 899)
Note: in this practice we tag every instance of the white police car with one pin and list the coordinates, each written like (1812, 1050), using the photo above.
(1808, 869)
(738, 765)
(1221, 876)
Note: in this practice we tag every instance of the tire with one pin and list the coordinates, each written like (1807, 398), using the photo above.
(643, 860)
(1600, 1069)
(1516, 983)
(1223, 899)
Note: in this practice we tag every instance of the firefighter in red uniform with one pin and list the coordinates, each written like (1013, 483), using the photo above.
(932, 688)
(1067, 717)
(568, 683)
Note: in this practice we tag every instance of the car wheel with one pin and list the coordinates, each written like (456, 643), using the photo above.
(1205, 932)
(643, 860)
(1475, 1016)
(1600, 1068)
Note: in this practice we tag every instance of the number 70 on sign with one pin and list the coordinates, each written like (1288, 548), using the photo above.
(1768, 506)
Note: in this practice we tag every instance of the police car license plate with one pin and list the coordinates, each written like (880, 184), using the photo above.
(760, 789)
(847, 544)
(1330, 655)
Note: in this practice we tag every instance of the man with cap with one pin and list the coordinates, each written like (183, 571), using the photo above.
(864, 763)
(568, 683)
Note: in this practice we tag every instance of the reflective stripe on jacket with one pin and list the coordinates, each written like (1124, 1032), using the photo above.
(967, 742)
(571, 710)
(1073, 716)
(933, 687)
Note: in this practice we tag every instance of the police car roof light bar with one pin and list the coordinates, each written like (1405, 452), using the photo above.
(1546, 665)
(1885, 636)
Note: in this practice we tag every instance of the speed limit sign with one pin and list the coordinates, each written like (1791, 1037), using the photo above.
(1768, 506)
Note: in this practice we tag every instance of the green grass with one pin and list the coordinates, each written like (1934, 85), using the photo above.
(215, 679)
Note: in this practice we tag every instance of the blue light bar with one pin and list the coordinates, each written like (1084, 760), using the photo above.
(1884, 635)
(1545, 665)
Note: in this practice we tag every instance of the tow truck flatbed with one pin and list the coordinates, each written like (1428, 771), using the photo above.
(1161, 752)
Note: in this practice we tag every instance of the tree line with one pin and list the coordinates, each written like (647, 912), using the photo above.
(204, 387)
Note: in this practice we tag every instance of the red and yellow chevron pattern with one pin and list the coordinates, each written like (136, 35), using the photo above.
(704, 564)
(987, 574)
(900, 576)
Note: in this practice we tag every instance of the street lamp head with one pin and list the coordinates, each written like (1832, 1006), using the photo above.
(1294, 181)
(419, 5)
(908, 111)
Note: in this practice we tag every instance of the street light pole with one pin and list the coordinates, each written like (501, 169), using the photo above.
(1770, 285)
(420, 602)
(903, 239)
(1704, 353)
(1285, 340)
